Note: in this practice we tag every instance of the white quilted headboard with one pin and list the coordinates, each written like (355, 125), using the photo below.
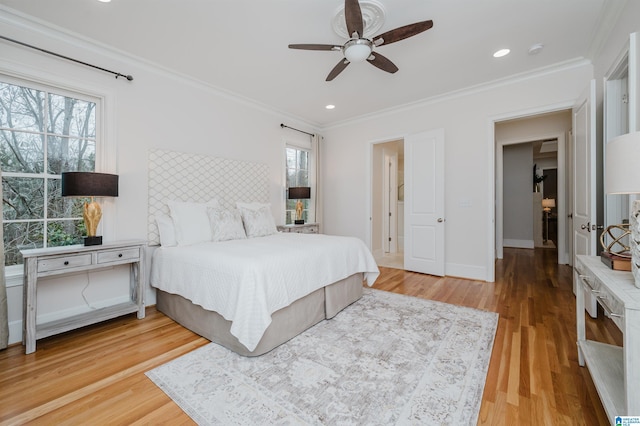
(191, 177)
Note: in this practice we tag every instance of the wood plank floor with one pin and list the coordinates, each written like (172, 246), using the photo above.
(95, 375)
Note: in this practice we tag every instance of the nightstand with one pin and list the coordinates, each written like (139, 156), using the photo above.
(307, 228)
(52, 261)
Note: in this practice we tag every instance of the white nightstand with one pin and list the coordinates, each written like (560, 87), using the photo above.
(307, 228)
(72, 259)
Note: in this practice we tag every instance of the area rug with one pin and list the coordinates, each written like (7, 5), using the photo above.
(386, 359)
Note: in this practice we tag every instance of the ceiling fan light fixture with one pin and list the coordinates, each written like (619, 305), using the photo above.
(358, 50)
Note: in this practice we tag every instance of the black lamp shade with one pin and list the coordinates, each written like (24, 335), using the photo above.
(299, 193)
(89, 184)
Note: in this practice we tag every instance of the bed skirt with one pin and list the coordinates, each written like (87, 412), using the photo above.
(286, 323)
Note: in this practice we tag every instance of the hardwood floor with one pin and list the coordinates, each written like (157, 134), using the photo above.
(95, 375)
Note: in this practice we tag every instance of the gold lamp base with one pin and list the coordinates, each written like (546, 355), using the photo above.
(92, 214)
(299, 208)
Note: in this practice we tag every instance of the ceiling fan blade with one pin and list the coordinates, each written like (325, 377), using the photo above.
(315, 46)
(337, 69)
(402, 33)
(353, 17)
(381, 62)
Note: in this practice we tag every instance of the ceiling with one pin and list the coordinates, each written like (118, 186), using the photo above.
(240, 46)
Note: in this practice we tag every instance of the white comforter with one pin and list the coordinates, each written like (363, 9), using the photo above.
(246, 281)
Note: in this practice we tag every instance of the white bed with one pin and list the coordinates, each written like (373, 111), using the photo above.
(247, 280)
(248, 294)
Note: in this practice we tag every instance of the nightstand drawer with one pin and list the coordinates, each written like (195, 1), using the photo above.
(613, 307)
(307, 228)
(311, 229)
(64, 262)
(116, 255)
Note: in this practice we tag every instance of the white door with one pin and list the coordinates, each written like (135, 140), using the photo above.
(584, 183)
(424, 202)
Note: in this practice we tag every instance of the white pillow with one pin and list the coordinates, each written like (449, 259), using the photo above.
(226, 225)
(167, 230)
(191, 221)
(257, 218)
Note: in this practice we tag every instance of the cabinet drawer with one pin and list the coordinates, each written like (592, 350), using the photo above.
(64, 262)
(613, 307)
(116, 255)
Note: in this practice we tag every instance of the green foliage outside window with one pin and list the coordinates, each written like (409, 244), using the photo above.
(42, 134)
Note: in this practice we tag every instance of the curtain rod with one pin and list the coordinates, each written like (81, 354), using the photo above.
(117, 74)
(293, 128)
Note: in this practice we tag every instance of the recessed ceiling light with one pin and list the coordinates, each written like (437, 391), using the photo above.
(330, 106)
(104, 1)
(500, 53)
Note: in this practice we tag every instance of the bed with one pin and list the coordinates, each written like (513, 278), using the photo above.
(249, 294)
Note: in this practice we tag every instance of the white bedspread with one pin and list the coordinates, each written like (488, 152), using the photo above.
(246, 281)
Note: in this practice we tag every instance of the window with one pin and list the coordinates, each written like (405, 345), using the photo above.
(298, 174)
(43, 132)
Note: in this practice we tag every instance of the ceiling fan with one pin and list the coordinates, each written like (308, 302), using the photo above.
(358, 48)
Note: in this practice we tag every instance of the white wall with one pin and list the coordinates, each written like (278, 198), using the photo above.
(518, 195)
(157, 109)
(467, 119)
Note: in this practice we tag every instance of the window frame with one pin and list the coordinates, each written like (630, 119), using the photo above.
(298, 145)
(105, 151)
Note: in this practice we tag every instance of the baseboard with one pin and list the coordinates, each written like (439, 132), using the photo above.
(15, 327)
(470, 272)
(528, 244)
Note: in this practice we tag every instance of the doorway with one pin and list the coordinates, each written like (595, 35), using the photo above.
(538, 142)
(387, 204)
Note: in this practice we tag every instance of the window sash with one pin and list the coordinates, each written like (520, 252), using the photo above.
(300, 175)
(52, 132)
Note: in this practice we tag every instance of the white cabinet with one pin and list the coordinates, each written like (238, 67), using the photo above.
(53, 261)
(615, 370)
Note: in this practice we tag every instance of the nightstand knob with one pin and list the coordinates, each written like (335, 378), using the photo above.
(119, 254)
(66, 262)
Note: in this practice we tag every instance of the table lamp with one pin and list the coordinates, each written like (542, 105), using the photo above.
(89, 184)
(622, 176)
(299, 193)
(547, 205)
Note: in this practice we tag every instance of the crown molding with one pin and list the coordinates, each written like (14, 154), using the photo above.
(470, 90)
(47, 30)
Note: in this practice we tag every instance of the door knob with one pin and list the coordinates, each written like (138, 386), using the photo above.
(583, 226)
(440, 220)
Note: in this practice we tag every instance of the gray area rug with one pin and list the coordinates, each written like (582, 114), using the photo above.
(386, 359)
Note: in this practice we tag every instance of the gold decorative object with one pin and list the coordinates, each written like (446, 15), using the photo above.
(617, 233)
(299, 208)
(92, 214)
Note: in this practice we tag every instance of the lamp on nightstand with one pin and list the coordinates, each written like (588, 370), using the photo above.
(547, 205)
(622, 176)
(299, 193)
(89, 184)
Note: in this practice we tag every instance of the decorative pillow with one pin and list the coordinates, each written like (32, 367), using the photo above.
(257, 218)
(191, 221)
(167, 230)
(226, 225)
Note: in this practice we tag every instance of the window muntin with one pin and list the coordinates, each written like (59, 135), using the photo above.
(298, 162)
(43, 132)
